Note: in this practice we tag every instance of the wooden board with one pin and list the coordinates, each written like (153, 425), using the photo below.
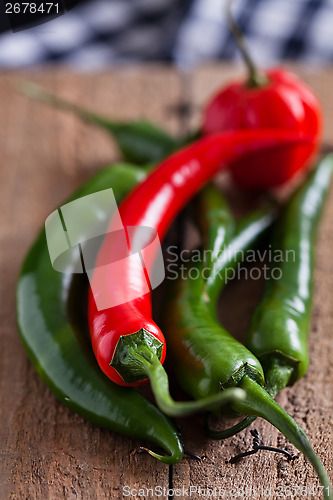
(46, 450)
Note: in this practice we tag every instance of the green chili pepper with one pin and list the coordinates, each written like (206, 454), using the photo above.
(63, 357)
(279, 329)
(140, 142)
(208, 359)
(191, 329)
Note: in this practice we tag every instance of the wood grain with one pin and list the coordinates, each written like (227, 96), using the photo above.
(49, 452)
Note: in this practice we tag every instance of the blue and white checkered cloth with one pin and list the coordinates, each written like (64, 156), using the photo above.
(96, 33)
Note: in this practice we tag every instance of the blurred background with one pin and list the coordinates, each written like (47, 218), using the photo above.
(90, 34)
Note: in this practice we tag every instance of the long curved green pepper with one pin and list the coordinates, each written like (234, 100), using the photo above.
(279, 328)
(208, 359)
(280, 325)
(135, 135)
(140, 142)
(193, 333)
(63, 356)
(151, 366)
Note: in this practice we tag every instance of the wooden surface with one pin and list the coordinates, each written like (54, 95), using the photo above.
(47, 452)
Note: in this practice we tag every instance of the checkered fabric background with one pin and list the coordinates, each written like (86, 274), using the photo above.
(99, 32)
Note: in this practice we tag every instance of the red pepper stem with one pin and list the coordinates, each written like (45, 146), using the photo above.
(254, 79)
(258, 402)
(149, 363)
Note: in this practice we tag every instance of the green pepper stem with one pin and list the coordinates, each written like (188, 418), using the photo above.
(254, 79)
(148, 362)
(259, 403)
(172, 459)
(230, 431)
(277, 377)
(38, 93)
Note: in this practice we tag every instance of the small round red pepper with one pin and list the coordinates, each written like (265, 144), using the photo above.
(282, 102)
(273, 99)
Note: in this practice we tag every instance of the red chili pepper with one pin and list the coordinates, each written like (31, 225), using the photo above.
(274, 99)
(284, 102)
(119, 333)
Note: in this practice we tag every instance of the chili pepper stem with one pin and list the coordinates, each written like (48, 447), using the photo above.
(231, 431)
(151, 365)
(258, 402)
(165, 459)
(277, 378)
(255, 79)
(36, 92)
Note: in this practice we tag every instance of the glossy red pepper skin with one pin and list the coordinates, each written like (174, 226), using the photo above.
(284, 102)
(155, 203)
